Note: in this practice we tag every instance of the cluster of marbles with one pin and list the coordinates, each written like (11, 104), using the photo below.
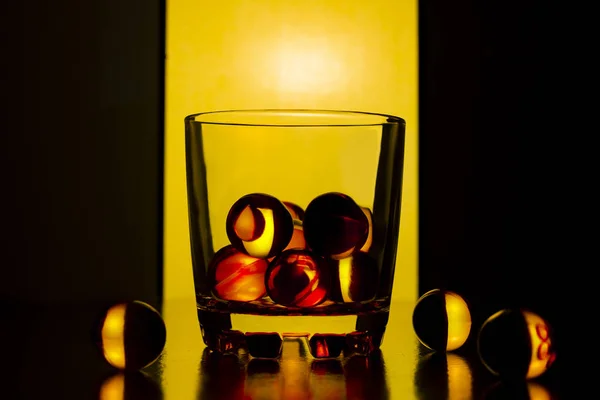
(512, 343)
(296, 257)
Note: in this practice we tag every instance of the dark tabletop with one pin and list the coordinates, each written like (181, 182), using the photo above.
(49, 353)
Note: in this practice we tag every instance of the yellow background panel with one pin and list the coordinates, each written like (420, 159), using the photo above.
(235, 54)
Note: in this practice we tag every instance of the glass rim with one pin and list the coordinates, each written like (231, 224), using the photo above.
(294, 117)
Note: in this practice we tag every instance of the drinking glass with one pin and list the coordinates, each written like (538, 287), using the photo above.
(294, 219)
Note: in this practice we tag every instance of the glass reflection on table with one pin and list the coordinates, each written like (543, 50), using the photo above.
(296, 375)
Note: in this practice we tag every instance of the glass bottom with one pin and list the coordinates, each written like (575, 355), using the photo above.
(259, 329)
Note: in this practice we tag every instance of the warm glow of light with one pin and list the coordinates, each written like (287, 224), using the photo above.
(305, 66)
(113, 341)
(113, 388)
(261, 247)
(539, 357)
(345, 274)
(459, 321)
(460, 378)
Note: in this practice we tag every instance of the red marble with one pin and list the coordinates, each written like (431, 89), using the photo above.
(297, 278)
(236, 276)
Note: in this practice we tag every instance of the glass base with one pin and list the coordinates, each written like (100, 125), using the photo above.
(331, 330)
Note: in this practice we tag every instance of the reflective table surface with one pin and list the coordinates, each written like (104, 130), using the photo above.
(51, 354)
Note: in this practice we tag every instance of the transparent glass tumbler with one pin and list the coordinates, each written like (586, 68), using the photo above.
(294, 219)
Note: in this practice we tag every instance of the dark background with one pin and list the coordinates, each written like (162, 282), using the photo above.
(492, 157)
(82, 153)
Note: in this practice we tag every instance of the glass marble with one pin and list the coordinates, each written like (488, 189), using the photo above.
(441, 320)
(259, 225)
(297, 278)
(131, 335)
(236, 276)
(295, 210)
(516, 344)
(335, 226)
(355, 279)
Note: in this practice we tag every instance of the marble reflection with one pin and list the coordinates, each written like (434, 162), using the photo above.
(130, 386)
(524, 390)
(443, 375)
(295, 375)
